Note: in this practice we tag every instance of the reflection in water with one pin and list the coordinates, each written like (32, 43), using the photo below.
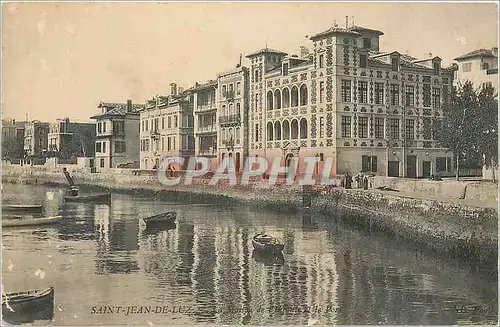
(329, 273)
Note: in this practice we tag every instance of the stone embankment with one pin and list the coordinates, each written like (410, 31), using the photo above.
(468, 231)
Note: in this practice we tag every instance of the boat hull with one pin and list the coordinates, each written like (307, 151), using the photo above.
(267, 248)
(28, 306)
(94, 198)
(19, 222)
(22, 208)
(163, 220)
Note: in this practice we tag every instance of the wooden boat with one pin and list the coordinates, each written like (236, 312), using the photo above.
(22, 208)
(95, 198)
(29, 221)
(163, 219)
(28, 306)
(265, 243)
(269, 259)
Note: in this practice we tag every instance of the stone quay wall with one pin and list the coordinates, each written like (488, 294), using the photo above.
(470, 232)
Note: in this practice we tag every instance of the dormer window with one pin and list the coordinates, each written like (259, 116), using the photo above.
(362, 61)
(285, 69)
(437, 68)
(367, 43)
(395, 63)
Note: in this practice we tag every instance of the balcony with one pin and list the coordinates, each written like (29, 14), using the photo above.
(207, 129)
(210, 152)
(155, 134)
(231, 119)
(206, 107)
(106, 133)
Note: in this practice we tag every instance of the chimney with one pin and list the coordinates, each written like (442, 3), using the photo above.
(494, 51)
(173, 89)
(129, 105)
(430, 54)
(181, 89)
(304, 52)
(346, 21)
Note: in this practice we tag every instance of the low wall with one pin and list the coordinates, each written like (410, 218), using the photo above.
(469, 232)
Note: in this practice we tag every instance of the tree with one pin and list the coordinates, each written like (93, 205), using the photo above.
(487, 142)
(10, 148)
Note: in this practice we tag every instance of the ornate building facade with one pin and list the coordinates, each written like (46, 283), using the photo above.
(205, 119)
(166, 128)
(370, 111)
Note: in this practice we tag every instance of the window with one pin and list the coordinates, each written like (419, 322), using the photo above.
(410, 95)
(395, 94)
(102, 163)
(427, 129)
(321, 61)
(173, 143)
(119, 146)
(346, 91)
(363, 127)
(321, 127)
(256, 132)
(104, 127)
(169, 122)
(368, 164)
(238, 88)
(162, 122)
(410, 129)
(147, 125)
(175, 122)
(346, 126)
(448, 164)
(486, 65)
(99, 128)
(379, 128)
(224, 91)
(436, 98)
(256, 101)
(321, 92)
(363, 92)
(466, 67)
(395, 63)
(103, 147)
(394, 128)
(437, 68)
(168, 144)
(441, 164)
(285, 69)
(379, 93)
(362, 61)
(367, 43)
(163, 144)
(426, 92)
(231, 88)
(98, 147)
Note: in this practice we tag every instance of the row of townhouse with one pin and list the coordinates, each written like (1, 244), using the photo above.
(370, 111)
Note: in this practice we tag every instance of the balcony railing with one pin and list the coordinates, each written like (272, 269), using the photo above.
(207, 129)
(230, 119)
(207, 152)
(206, 107)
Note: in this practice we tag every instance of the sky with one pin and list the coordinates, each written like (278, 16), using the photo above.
(61, 59)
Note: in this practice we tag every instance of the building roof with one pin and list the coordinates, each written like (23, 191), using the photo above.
(198, 87)
(117, 109)
(477, 53)
(335, 30)
(364, 29)
(265, 50)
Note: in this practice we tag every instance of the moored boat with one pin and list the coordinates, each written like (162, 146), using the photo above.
(163, 219)
(29, 221)
(96, 198)
(23, 307)
(266, 243)
(22, 207)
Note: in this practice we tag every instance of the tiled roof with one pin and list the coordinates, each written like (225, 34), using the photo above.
(117, 109)
(477, 53)
(364, 29)
(265, 50)
(335, 30)
(204, 85)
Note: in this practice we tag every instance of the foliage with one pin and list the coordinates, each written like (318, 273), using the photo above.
(11, 148)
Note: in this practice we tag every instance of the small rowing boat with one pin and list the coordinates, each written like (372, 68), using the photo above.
(266, 243)
(22, 208)
(95, 198)
(164, 219)
(29, 221)
(23, 307)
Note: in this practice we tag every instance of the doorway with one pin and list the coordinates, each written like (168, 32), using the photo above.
(426, 169)
(411, 166)
(237, 161)
(393, 169)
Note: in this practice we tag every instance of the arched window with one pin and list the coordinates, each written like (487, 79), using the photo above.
(286, 130)
(303, 128)
(238, 109)
(295, 129)
(222, 136)
(295, 96)
(286, 97)
(231, 134)
(277, 99)
(277, 131)
(303, 95)
(237, 135)
(231, 109)
(269, 131)
(223, 111)
(270, 100)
